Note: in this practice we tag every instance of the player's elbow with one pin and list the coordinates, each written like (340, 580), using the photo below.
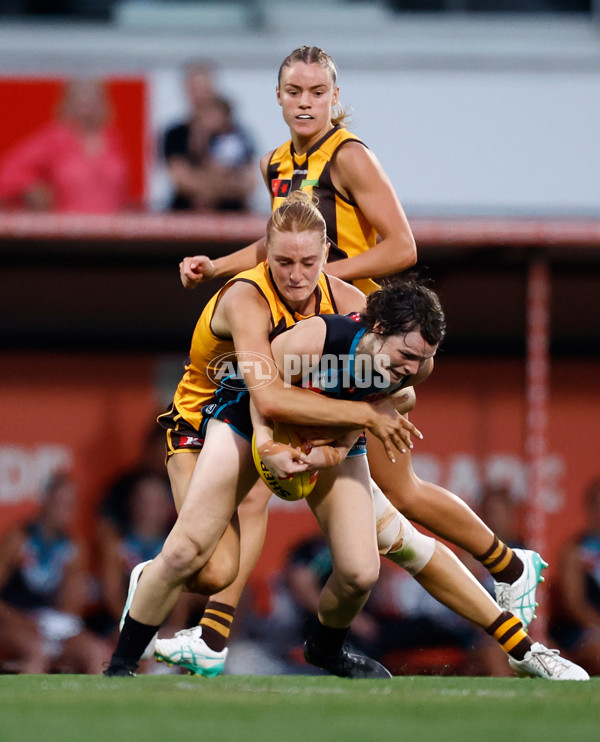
(409, 252)
(271, 410)
(401, 254)
(268, 405)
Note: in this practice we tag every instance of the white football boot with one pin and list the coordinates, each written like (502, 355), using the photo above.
(189, 650)
(540, 662)
(519, 598)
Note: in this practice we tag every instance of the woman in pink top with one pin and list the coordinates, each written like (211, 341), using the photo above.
(74, 164)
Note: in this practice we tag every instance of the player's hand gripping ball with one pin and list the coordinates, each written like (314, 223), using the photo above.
(298, 485)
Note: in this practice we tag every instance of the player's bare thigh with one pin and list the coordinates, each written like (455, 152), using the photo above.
(180, 468)
(342, 503)
(398, 480)
(223, 474)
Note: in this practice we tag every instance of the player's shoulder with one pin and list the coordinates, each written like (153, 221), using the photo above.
(347, 297)
(266, 159)
(307, 333)
(242, 298)
(354, 152)
(353, 155)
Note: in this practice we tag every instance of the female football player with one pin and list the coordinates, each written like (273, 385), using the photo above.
(210, 462)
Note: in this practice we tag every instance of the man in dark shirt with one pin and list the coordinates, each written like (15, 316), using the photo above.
(210, 158)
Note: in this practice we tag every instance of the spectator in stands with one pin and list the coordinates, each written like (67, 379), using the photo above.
(115, 515)
(135, 514)
(498, 507)
(134, 518)
(74, 164)
(150, 515)
(575, 623)
(210, 158)
(43, 592)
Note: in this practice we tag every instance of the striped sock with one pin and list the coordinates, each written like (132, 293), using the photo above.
(508, 631)
(501, 562)
(216, 624)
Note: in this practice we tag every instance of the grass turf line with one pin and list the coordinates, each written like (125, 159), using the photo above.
(85, 708)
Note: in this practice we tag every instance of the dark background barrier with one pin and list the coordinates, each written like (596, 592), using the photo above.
(70, 283)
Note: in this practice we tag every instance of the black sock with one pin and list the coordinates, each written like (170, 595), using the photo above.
(133, 640)
(327, 640)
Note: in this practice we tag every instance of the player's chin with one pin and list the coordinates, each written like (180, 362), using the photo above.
(297, 293)
(305, 126)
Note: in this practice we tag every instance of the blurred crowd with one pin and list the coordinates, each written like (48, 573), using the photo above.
(77, 162)
(61, 600)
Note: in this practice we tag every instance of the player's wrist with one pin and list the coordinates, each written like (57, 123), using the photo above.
(370, 416)
(219, 268)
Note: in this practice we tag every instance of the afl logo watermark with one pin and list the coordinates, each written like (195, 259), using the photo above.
(229, 370)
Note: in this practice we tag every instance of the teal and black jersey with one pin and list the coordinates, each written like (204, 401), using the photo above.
(343, 372)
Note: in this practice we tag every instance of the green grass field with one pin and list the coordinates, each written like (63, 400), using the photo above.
(84, 708)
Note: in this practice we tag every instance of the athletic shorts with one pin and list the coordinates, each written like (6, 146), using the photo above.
(183, 436)
(359, 448)
(231, 405)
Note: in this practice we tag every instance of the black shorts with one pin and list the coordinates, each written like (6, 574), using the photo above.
(231, 405)
(181, 435)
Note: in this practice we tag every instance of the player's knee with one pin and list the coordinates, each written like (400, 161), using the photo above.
(413, 550)
(361, 581)
(255, 503)
(389, 529)
(213, 577)
(179, 559)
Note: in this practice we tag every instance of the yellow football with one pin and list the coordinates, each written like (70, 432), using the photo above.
(299, 485)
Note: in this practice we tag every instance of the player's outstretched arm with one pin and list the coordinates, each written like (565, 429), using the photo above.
(200, 268)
